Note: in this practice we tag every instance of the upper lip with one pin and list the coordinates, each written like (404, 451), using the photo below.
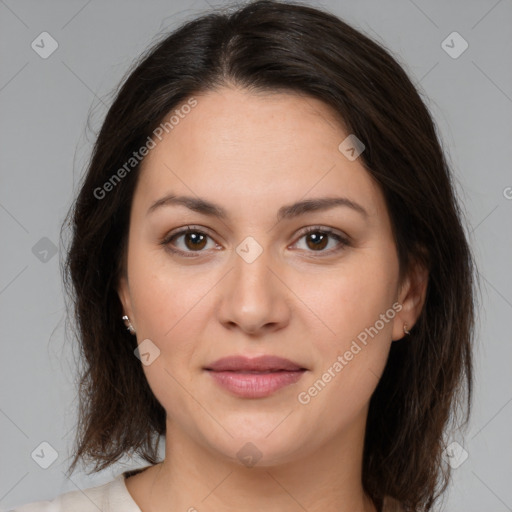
(260, 363)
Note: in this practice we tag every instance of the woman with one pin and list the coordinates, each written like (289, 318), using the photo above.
(269, 269)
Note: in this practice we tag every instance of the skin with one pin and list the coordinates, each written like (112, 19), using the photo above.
(251, 154)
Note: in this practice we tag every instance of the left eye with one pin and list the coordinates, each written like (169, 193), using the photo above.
(318, 239)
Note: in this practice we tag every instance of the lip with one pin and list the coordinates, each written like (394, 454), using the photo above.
(254, 377)
(263, 363)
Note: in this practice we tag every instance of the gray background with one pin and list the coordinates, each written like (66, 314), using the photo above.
(50, 110)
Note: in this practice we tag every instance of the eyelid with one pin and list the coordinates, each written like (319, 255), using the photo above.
(188, 228)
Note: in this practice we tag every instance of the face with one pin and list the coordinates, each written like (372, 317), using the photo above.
(316, 284)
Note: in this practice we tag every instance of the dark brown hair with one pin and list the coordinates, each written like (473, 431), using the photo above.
(272, 46)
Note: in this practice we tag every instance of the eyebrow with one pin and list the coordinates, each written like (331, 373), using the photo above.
(205, 207)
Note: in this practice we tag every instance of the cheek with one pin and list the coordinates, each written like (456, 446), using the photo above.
(170, 313)
(350, 299)
(356, 305)
(347, 372)
(166, 298)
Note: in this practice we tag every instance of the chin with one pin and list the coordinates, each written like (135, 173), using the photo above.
(257, 448)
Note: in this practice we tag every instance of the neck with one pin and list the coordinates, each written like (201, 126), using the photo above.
(192, 478)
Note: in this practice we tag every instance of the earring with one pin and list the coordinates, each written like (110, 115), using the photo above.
(128, 324)
(405, 329)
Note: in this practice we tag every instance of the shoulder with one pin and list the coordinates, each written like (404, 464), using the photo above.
(88, 500)
(112, 496)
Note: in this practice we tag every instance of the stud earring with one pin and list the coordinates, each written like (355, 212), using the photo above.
(405, 329)
(128, 324)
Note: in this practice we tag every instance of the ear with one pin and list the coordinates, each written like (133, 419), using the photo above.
(123, 290)
(411, 296)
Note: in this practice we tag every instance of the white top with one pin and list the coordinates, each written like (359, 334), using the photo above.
(114, 497)
(110, 497)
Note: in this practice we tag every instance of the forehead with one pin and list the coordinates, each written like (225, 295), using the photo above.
(253, 149)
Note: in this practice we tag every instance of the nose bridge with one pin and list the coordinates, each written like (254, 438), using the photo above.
(252, 257)
(253, 298)
(252, 277)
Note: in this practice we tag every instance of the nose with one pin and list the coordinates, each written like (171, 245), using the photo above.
(253, 297)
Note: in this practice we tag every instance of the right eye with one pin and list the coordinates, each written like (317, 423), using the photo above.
(193, 240)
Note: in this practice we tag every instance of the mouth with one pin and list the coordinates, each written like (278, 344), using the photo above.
(254, 378)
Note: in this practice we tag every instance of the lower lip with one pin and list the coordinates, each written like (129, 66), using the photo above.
(255, 385)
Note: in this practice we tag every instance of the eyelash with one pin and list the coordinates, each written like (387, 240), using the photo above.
(343, 241)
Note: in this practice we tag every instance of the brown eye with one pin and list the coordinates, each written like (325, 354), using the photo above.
(194, 240)
(187, 241)
(317, 240)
